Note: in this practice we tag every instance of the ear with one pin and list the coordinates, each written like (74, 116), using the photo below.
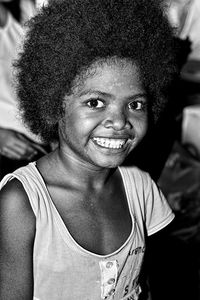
(64, 104)
(66, 101)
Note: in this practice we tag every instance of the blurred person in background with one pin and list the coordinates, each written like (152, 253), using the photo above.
(184, 15)
(17, 144)
(179, 179)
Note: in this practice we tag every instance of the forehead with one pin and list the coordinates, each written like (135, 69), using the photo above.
(109, 74)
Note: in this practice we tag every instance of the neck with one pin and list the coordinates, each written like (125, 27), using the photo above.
(83, 174)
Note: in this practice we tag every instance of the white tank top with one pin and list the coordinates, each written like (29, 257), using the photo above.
(63, 270)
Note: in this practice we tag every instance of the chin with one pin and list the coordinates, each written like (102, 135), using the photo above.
(110, 164)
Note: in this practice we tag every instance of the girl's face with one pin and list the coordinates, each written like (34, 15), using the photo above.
(105, 116)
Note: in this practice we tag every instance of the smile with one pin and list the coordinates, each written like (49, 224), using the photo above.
(110, 143)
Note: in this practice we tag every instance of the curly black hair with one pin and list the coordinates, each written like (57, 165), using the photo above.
(69, 35)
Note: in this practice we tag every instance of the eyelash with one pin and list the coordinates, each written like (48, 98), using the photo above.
(95, 100)
(142, 105)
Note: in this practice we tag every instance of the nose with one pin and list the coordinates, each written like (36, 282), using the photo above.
(117, 120)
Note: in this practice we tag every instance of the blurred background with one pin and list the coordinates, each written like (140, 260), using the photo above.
(174, 260)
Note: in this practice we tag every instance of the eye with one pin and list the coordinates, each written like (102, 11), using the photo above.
(137, 105)
(95, 103)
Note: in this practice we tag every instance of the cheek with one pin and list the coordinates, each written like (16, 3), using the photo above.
(140, 125)
(67, 127)
(77, 125)
(144, 125)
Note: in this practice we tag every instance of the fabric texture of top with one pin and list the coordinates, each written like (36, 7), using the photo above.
(63, 270)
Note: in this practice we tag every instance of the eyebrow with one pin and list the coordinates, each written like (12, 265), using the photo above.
(91, 92)
(100, 93)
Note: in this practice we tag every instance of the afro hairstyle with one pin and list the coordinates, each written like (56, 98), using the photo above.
(69, 35)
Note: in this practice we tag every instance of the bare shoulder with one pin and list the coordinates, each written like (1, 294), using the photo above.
(16, 216)
(17, 231)
(14, 203)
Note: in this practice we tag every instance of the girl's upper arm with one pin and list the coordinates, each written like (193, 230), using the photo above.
(17, 231)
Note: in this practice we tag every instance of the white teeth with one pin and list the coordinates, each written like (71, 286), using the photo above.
(110, 143)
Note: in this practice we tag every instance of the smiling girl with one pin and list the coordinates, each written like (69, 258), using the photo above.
(93, 75)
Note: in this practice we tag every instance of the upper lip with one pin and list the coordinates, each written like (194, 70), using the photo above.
(119, 137)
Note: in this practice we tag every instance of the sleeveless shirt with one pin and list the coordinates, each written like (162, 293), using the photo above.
(63, 270)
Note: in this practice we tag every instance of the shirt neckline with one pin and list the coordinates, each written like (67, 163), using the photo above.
(63, 228)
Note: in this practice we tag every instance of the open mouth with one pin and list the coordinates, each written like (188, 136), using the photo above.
(110, 143)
